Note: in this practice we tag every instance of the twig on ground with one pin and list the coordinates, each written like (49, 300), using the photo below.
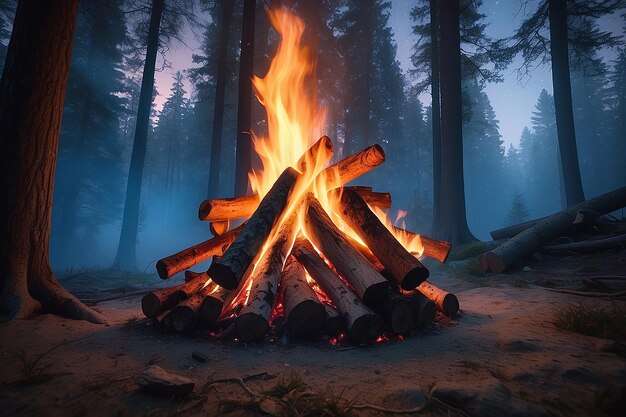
(588, 293)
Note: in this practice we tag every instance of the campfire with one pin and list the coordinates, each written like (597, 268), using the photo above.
(321, 254)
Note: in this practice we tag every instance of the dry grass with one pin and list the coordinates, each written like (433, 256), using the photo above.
(603, 322)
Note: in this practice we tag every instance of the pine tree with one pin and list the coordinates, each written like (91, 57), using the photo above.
(616, 161)
(518, 212)
(7, 11)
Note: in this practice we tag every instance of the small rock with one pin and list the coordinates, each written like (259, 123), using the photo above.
(200, 357)
(158, 381)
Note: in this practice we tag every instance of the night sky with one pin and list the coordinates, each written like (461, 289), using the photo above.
(513, 100)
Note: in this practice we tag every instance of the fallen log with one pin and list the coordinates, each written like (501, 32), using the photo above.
(184, 317)
(424, 310)
(363, 324)
(583, 217)
(547, 229)
(433, 248)
(252, 321)
(445, 301)
(588, 245)
(405, 269)
(189, 257)
(367, 282)
(372, 198)
(155, 302)
(338, 174)
(229, 269)
(303, 311)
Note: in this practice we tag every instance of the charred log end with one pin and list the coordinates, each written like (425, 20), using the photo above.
(222, 275)
(204, 209)
(376, 295)
(162, 269)
(209, 312)
(250, 327)
(401, 317)
(333, 326)
(366, 329)
(414, 278)
(377, 153)
(306, 319)
(182, 319)
(491, 262)
(152, 305)
(450, 305)
(424, 312)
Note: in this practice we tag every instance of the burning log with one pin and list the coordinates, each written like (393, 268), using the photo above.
(162, 321)
(219, 227)
(446, 302)
(334, 322)
(367, 282)
(424, 310)
(546, 229)
(252, 321)
(373, 199)
(185, 315)
(189, 257)
(157, 301)
(436, 249)
(338, 174)
(303, 311)
(406, 270)
(228, 271)
(363, 324)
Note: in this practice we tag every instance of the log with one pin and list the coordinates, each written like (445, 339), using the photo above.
(367, 282)
(219, 227)
(591, 245)
(211, 307)
(338, 174)
(445, 301)
(188, 314)
(405, 269)
(189, 257)
(229, 269)
(252, 322)
(547, 229)
(316, 156)
(583, 217)
(433, 248)
(303, 311)
(397, 311)
(155, 302)
(424, 310)
(334, 322)
(372, 198)
(362, 323)
(219, 210)
(162, 321)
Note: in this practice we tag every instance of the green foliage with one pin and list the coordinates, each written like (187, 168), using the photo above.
(518, 211)
(604, 322)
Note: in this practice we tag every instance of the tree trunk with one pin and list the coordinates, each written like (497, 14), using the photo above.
(220, 90)
(563, 102)
(32, 90)
(436, 111)
(125, 258)
(244, 110)
(453, 222)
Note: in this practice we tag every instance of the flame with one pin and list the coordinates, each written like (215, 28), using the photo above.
(411, 241)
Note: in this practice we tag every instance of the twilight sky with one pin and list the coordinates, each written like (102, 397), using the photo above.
(513, 101)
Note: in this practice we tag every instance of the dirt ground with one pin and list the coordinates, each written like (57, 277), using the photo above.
(502, 356)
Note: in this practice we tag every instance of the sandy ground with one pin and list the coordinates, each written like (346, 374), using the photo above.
(501, 357)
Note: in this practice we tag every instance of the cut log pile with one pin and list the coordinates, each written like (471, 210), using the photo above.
(524, 239)
(290, 259)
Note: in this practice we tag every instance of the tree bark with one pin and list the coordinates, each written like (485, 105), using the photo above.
(220, 90)
(243, 163)
(452, 215)
(367, 282)
(405, 269)
(303, 311)
(551, 227)
(33, 89)
(125, 258)
(363, 325)
(445, 301)
(229, 269)
(563, 102)
(436, 111)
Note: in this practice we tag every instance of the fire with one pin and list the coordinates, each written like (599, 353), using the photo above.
(412, 242)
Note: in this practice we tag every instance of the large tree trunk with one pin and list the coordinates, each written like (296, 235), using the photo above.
(244, 111)
(125, 258)
(220, 90)
(563, 102)
(32, 90)
(435, 110)
(453, 221)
